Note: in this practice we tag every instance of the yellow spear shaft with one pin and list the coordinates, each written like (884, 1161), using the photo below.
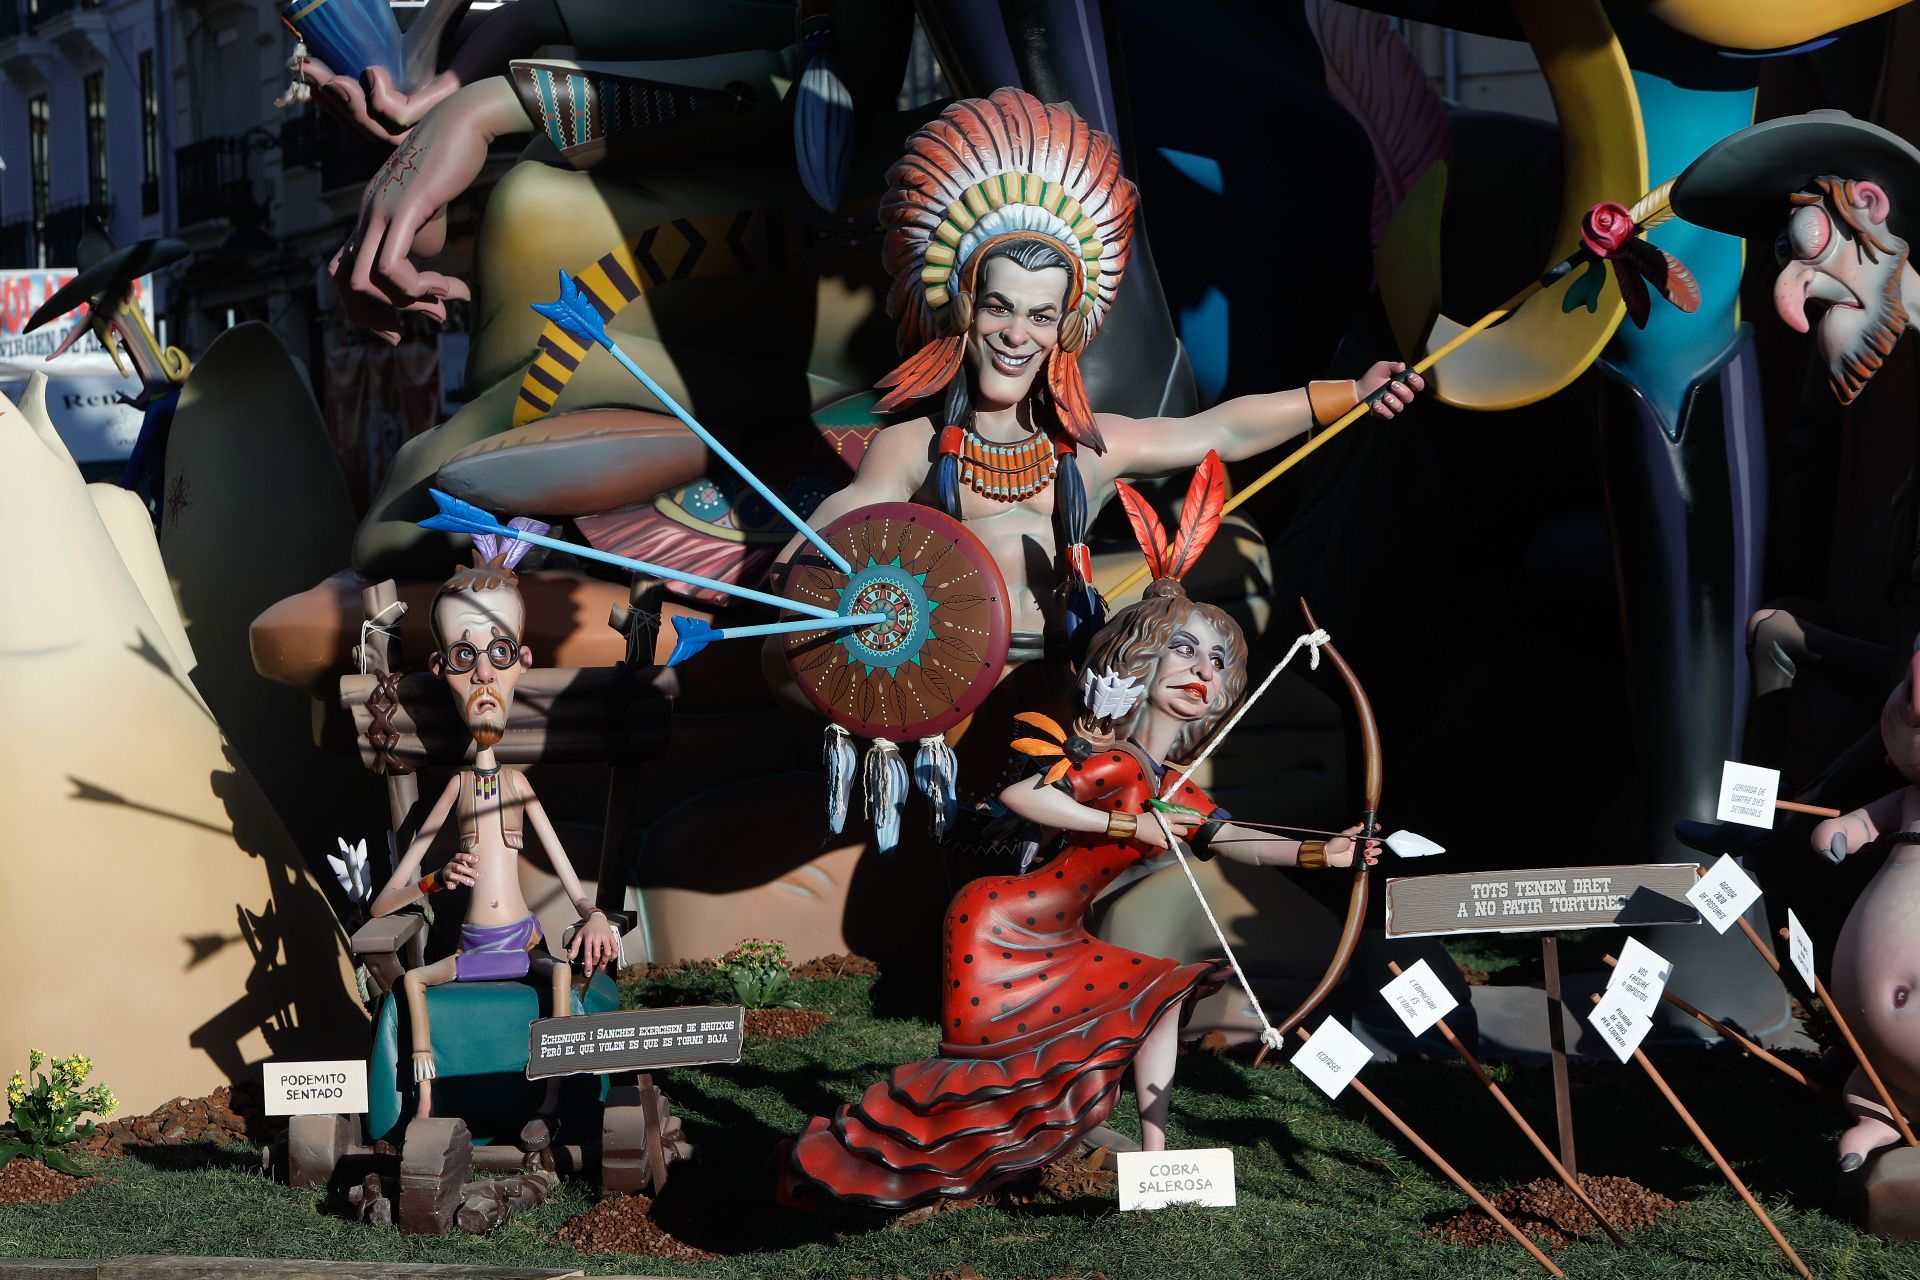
(1351, 416)
(1649, 211)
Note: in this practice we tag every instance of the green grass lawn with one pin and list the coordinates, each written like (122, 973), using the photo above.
(1326, 1188)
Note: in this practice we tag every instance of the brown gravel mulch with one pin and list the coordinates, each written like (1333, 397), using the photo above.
(1072, 1178)
(828, 966)
(784, 1024)
(25, 1181)
(1547, 1211)
(217, 1118)
(837, 966)
(624, 1224)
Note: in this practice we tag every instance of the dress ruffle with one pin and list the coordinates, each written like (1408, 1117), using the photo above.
(954, 1127)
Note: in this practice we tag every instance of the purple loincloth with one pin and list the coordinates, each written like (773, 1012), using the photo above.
(489, 952)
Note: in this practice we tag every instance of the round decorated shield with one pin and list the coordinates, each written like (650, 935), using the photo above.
(944, 644)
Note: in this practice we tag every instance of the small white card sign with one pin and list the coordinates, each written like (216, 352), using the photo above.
(1641, 976)
(1723, 893)
(316, 1088)
(1420, 998)
(1156, 1179)
(1747, 793)
(1331, 1057)
(1620, 1023)
(1800, 948)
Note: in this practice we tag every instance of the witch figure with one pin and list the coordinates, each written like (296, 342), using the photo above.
(1041, 1018)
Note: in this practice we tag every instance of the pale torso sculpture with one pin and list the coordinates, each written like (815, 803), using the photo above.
(477, 619)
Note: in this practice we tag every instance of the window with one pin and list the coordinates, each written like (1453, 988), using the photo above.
(38, 123)
(94, 91)
(149, 136)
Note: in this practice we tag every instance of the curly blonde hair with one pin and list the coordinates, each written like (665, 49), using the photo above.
(1134, 640)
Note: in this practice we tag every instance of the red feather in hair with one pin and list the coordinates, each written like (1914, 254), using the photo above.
(1147, 529)
(1199, 516)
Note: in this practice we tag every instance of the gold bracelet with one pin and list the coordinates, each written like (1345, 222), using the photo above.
(1122, 825)
(1313, 854)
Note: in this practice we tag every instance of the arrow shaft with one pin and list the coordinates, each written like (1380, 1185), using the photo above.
(800, 624)
(739, 468)
(659, 571)
(1352, 416)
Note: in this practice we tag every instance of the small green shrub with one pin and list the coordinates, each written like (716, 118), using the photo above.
(757, 968)
(45, 1106)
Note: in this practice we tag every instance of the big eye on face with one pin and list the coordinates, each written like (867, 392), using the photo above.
(1808, 236)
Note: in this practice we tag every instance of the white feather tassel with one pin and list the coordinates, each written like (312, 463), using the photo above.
(885, 775)
(935, 775)
(841, 760)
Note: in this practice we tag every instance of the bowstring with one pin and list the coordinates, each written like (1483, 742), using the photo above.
(1313, 641)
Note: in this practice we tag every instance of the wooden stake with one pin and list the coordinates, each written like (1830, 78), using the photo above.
(1817, 810)
(1486, 1206)
(1879, 1086)
(1557, 1042)
(1726, 1170)
(1506, 1104)
(1792, 1072)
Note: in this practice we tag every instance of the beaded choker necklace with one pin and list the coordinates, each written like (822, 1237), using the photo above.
(1007, 472)
(486, 783)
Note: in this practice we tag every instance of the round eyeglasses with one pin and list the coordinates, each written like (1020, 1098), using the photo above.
(462, 655)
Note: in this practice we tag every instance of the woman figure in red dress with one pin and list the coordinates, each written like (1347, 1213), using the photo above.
(1041, 1018)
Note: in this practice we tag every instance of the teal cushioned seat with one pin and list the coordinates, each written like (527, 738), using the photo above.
(480, 1053)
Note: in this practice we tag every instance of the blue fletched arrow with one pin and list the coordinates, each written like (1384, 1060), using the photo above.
(691, 636)
(574, 311)
(456, 516)
(696, 634)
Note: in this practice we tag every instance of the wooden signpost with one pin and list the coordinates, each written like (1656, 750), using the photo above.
(1544, 900)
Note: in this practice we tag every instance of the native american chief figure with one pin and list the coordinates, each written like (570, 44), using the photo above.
(1008, 226)
(1837, 198)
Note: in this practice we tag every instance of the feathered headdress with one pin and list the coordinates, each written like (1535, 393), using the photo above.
(989, 170)
(1199, 520)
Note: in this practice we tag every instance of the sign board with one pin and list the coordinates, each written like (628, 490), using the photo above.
(1419, 997)
(1540, 901)
(1618, 1019)
(1800, 948)
(1156, 1179)
(635, 1040)
(1641, 976)
(1724, 893)
(1747, 794)
(83, 395)
(315, 1088)
(1331, 1057)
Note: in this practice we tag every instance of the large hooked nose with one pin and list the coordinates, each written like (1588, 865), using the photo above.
(1790, 294)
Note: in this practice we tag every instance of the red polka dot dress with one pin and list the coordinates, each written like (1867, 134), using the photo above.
(1040, 1022)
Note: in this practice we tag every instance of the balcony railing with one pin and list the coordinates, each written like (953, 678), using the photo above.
(16, 244)
(44, 9)
(213, 182)
(66, 224)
